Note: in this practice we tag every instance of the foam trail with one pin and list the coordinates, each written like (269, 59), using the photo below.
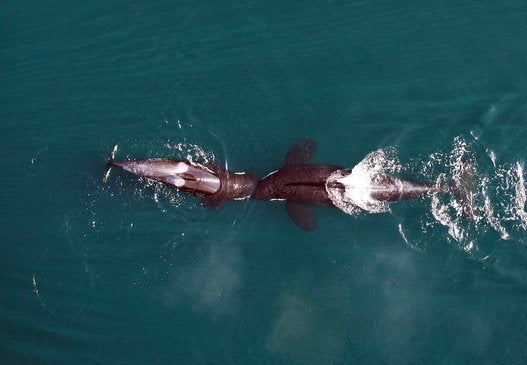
(488, 204)
(497, 201)
(520, 196)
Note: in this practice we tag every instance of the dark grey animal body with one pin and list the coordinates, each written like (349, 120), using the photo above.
(213, 183)
(299, 183)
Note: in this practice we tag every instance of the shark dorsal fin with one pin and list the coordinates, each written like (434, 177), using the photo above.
(303, 215)
(301, 152)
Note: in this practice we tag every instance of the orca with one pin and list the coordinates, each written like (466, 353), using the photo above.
(214, 184)
(299, 182)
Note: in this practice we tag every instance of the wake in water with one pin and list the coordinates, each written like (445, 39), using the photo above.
(497, 201)
(485, 200)
(474, 200)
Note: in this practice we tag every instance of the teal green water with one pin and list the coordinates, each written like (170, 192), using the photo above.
(125, 272)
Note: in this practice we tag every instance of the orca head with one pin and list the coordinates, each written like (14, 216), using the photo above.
(183, 175)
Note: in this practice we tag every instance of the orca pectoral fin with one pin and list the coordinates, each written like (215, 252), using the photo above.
(303, 215)
(301, 152)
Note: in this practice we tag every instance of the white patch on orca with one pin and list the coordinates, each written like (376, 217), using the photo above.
(180, 168)
(176, 181)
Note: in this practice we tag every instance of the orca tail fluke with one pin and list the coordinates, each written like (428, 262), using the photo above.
(109, 164)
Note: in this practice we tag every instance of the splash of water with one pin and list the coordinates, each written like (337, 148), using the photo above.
(486, 205)
(356, 196)
(496, 206)
(191, 152)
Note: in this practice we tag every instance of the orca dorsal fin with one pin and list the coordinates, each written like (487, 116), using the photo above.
(302, 214)
(301, 152)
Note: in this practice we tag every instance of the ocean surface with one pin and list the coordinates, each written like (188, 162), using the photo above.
(129, 272)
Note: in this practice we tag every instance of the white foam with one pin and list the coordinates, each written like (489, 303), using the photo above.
(520, 196)
(357, 186)
(495, 203)
(489, 205)
(191, 152)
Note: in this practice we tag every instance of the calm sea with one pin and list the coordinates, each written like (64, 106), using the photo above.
(126, 272)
